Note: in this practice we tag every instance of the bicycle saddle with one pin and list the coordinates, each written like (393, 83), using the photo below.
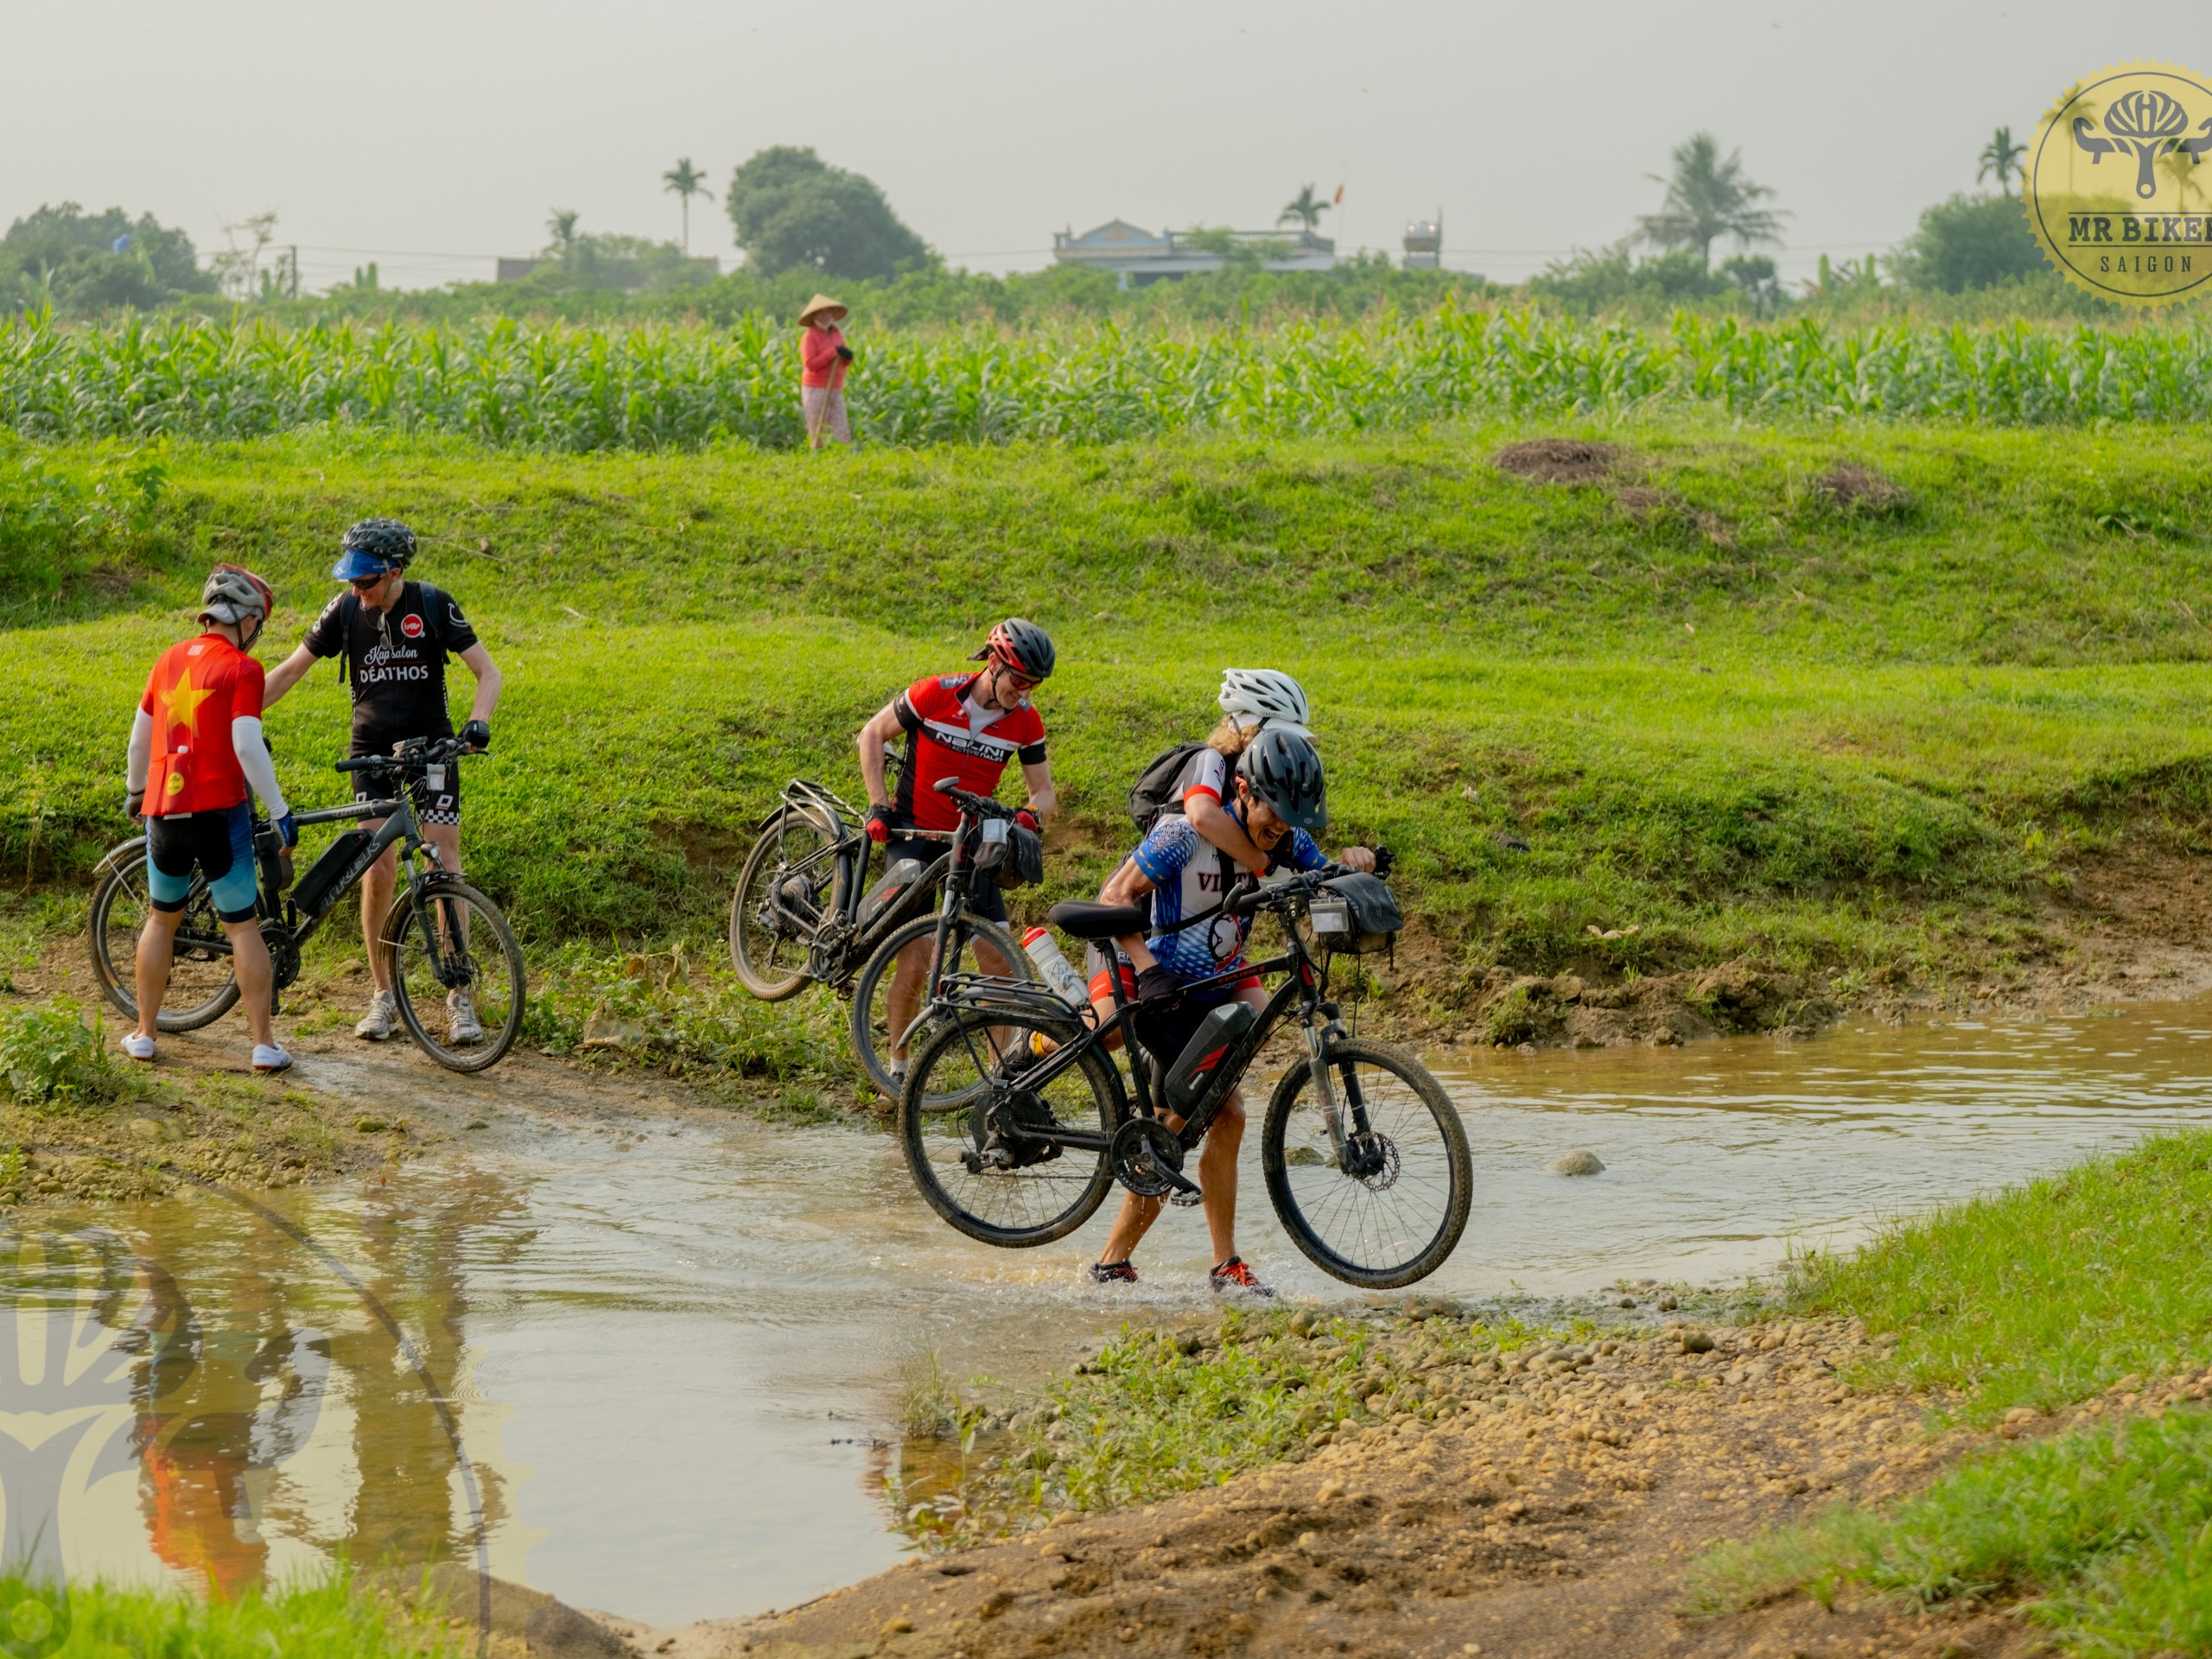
(1089, 921)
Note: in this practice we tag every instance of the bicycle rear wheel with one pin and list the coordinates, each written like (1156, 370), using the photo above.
(974, 1164)
(870, 1021)
(476, 956)
(791, 881)
(202, 986)
(1397, 1215)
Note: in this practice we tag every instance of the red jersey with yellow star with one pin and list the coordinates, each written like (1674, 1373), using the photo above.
(194, 692)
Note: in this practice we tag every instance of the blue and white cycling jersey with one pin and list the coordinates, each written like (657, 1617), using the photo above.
(1190, 877)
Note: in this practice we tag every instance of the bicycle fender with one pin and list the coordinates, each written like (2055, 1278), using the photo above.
(120, 850)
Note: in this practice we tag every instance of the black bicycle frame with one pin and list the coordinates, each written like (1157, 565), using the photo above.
(851, 853)
(1016, 999)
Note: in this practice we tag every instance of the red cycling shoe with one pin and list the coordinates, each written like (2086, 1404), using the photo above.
(1233, 1275)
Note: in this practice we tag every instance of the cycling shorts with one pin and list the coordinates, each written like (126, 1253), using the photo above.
(219, 843)
(984, 895)
(440, 805)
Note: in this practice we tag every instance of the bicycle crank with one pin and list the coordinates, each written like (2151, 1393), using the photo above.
(1148, 1160)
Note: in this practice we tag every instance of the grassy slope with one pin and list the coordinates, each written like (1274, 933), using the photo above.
(2035, 1297)
(1736, 715)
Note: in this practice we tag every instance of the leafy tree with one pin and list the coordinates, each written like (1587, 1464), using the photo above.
(1708, 198)
(687, 181)
(2001, 156)
(792, 211)
(1306, 208)
(81, 263)
(1969, 242)
(561, 226)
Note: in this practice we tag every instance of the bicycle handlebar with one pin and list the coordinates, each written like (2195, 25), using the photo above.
(1267, 897)
(432, 753)
(981, 805)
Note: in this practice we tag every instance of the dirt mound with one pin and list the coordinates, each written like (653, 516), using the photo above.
(1551, 1511)
(1861, 491)
(1558, 460)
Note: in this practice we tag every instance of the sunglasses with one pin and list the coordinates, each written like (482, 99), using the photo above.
(1021, 682)
(364, 583)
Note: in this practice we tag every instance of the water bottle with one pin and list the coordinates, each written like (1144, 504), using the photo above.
(1059, 974)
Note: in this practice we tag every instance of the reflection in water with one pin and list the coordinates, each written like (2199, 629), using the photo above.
(694, 1335)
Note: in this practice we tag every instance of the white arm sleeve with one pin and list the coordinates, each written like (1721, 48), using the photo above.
(253, 761)
(141, 753)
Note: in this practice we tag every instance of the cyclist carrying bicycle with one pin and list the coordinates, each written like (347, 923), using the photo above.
(963, 726)
(1280, 803)
(195, 750)
(394, 636)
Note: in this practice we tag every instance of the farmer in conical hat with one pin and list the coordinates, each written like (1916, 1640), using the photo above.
(821, 387)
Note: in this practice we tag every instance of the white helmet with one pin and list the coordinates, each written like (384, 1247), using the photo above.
(1267, 696)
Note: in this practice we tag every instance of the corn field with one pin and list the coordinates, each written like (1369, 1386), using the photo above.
(657, 388)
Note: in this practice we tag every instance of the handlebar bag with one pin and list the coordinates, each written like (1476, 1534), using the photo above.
(1025, 858)
(1370, 915)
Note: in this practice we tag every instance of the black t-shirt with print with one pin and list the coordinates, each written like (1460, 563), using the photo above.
(395, 662)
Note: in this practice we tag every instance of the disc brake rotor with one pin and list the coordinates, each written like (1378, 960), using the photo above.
(1372, 1161)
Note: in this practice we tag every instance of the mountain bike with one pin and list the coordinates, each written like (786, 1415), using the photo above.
(441, 935)
(1364, 1157)
(805, 913)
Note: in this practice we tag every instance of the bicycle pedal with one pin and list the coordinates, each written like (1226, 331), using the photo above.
(1187, 1201)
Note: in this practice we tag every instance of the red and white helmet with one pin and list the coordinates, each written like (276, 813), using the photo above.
(1022, 646)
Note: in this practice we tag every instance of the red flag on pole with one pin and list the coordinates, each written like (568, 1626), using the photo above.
(1338, 199)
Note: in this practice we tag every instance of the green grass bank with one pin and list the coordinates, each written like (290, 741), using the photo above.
(2080, 1299)
(1852, 701)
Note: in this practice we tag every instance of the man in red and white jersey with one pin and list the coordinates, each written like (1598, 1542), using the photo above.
(967, 727)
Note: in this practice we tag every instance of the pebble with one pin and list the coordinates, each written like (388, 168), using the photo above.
(1580, 1162)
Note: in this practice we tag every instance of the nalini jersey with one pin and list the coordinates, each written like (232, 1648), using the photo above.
(197, 688)
(949, 735)
(1190, 878)
(395, 662)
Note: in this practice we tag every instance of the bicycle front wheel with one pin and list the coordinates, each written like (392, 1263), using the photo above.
(1396, 1214)
(974, 946)
(202, 986)
(452, 955)
(789, 884)
(979, 1166)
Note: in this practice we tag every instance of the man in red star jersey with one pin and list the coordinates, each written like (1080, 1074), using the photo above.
(963, 726)
(195, 749)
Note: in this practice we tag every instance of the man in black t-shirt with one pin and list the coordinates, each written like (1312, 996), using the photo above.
(393, 637)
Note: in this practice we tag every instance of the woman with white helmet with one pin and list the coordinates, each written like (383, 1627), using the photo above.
(1253, 700)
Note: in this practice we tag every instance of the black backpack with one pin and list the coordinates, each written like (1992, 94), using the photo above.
(1153, 793)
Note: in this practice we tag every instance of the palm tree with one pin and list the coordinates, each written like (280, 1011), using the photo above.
(1306, 210)
(2002, 158)
(687, 181)
(2180, 166)
(1708, 198)
(562, 227)
(2073, 106)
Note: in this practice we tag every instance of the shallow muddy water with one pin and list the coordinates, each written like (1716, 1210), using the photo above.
(651, 1367)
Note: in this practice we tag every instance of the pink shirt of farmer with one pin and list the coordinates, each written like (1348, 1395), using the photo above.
(818, 351)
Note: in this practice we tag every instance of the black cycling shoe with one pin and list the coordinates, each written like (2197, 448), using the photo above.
(1112, 1272)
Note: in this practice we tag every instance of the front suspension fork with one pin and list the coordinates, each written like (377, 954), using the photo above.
(1320, 1039)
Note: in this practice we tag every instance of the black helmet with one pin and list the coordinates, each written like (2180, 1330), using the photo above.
(374, 547)
(1284, 771)
(1022, 646)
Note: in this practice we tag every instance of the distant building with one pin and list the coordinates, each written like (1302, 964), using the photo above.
(514, 270)
(1424, 243)
(1137, 256)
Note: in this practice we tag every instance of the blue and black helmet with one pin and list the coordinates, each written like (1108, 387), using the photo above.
(1281, 768)
(374, 547)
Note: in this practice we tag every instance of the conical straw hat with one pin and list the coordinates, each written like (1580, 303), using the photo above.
(822, 302)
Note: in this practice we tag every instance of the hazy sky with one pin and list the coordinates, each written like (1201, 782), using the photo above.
(432, 137)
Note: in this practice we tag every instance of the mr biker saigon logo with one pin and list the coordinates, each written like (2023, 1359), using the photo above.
(2112, 191)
